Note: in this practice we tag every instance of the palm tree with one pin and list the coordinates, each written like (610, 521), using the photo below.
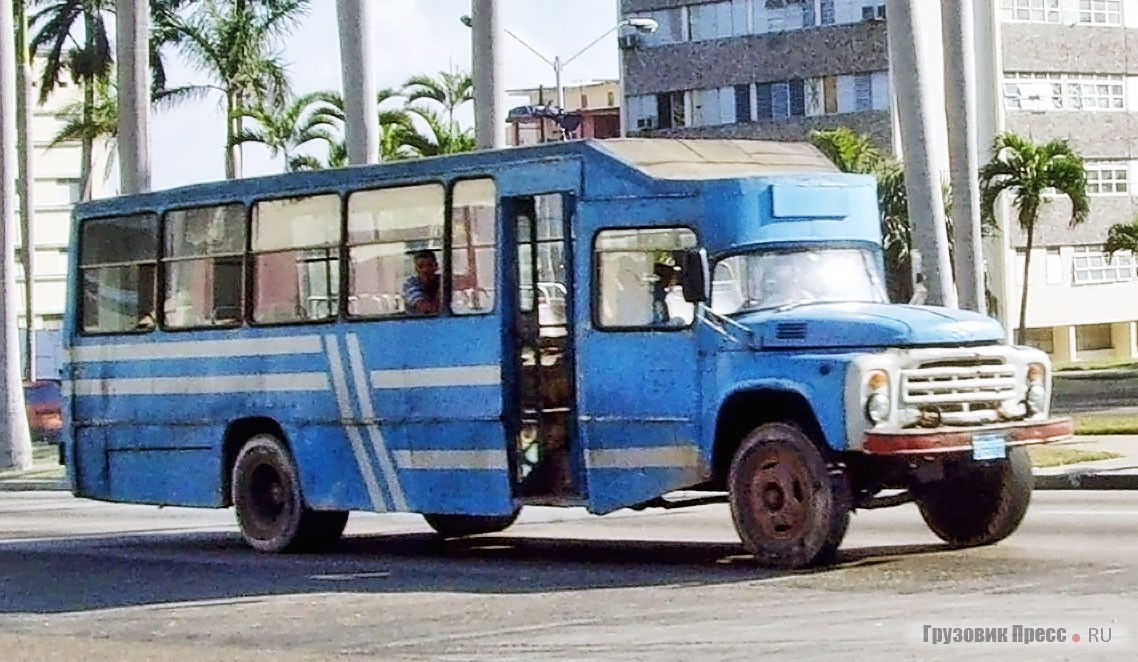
(1028, 171)
(235, 41)
(395, 132)
(55, 26)
(450, 90)
(309, 117)
(856, 153)
(1122, 237)
(440, 137)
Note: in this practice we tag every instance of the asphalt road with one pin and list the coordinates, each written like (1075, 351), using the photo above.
(81, 580)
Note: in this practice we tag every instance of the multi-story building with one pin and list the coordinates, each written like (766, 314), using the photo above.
(56, 176)
(775, 69)
(595, 103)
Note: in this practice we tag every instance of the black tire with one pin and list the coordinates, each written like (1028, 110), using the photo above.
(791, 508)
(271, 512)
(979, 504)
(460, 526)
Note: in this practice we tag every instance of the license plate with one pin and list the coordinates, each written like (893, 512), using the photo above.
(989, 446)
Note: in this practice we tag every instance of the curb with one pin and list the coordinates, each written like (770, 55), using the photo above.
(34, 485)
(1081, 480)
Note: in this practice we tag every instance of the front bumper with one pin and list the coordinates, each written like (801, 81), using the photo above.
(959, 440)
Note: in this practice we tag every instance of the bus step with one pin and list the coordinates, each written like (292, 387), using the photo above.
(683, 500)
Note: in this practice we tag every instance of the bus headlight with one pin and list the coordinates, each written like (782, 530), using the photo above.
(1036, 399)
(878, 406)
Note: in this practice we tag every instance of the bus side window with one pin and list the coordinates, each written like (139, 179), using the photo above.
(474, 216)
(296, 259)
(395, 238)
(118, 258)
(637, 281)
(202, 264)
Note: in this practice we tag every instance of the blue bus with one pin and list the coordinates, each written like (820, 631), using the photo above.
(614, 324)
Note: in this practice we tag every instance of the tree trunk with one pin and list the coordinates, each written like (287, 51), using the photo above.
(1021, 335)
(87, 159)
(15, 438)
(232, 158)
(27, 186)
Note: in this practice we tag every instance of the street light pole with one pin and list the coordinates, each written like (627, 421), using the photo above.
(489, 95)
(132, 27)
(361, 124)
(25, 147)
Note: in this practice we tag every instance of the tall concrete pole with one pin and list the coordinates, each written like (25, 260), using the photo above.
(489, 83)
(25, 146)
(132, 51)
(922, 185)
(357, 57)
(958, 19)
(15, 438)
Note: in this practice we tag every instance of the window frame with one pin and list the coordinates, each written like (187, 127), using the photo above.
(444, 275)
(447, 281)
(595, 284)
(80, 290)
(246, 269)
(251, 255)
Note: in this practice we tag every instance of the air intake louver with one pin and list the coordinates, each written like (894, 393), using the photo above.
(790, 331)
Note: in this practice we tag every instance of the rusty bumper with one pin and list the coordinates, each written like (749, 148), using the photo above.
(957, 440)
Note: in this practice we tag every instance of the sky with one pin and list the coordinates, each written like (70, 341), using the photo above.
(411, 37)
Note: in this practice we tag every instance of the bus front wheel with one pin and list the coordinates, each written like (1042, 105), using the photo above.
(790, 508)
(979, 504)
(271, 512)
(459, 526)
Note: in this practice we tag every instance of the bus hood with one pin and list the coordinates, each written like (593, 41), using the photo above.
(871, 325)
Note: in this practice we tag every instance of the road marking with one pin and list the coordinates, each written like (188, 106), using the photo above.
(1083, 513)
(349, 576)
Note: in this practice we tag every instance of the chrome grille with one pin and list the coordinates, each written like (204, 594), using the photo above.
(960, 392)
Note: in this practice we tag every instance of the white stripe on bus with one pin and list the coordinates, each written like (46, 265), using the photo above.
(340, 386)
(657, 457)
(208, 385)
(460, 460)
(196, 349)
(359, 373)
(474, 375)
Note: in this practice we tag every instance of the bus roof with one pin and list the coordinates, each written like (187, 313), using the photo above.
(660, 159)
(664, 158)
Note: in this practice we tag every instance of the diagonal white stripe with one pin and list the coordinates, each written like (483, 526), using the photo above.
(359, 373)
(340, 386)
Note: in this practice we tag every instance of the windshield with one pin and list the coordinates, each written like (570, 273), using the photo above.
(771, 279)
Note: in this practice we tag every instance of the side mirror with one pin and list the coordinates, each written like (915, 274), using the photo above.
(695, 275)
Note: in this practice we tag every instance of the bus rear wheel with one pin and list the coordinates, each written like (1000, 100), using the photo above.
(271, 512)
(459, 526)
(980, 504)
(790, 508)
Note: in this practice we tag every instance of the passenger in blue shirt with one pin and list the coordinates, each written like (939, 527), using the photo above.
(421, 290)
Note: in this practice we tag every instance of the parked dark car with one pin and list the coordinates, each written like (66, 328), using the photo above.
(44, 402)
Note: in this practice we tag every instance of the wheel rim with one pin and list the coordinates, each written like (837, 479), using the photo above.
(269, 502)
(781, 494)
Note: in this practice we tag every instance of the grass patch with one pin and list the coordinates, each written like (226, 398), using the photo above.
(1043, 456)
(1114, 364)
(1105, 424)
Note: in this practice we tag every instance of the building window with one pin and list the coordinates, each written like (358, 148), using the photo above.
(710, 21)
(863, 92)
(1093, 337)
(742, 103)
(797, 98)
(829, 13)
(1047, 91)
(1036, 11)
(671, 30)
(780, 100)
(584, 101)
(642, 112)
(611, 99)
(670, 111)
(1092, 266)
(713, 107)
(1108, 179)
(830, 94)
(1100, 12)
(1041, 339)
